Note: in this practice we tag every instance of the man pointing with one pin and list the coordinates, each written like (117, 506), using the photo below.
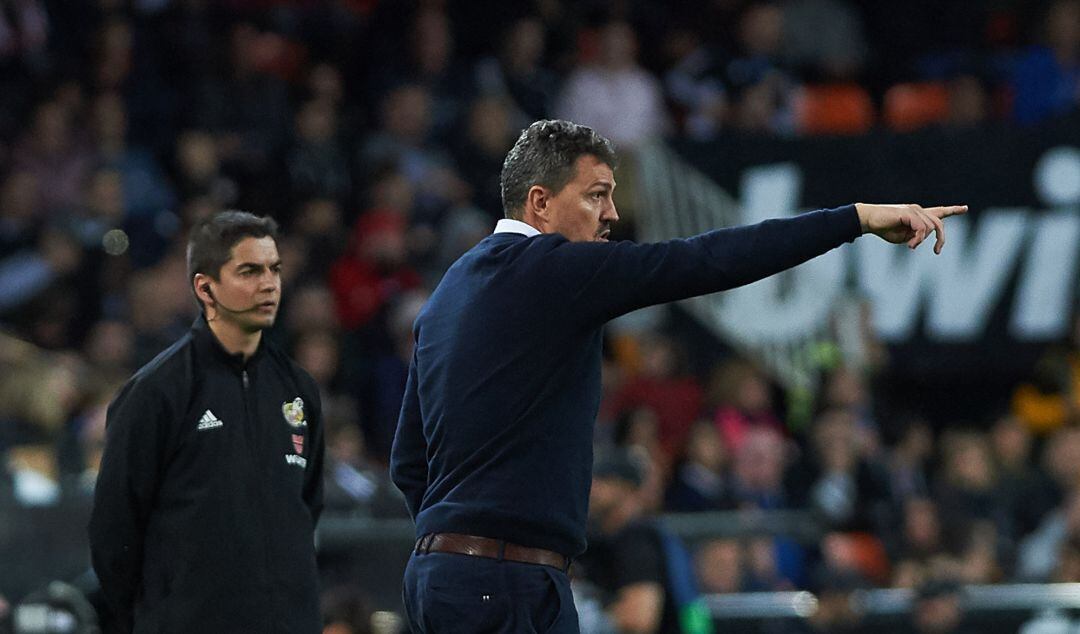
(493, 449)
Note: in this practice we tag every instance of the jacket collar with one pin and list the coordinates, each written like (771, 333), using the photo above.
(207, 343)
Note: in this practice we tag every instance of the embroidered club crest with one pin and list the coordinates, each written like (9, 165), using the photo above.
(298, 443)
(294, 412)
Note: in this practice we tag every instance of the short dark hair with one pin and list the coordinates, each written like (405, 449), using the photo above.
(212, 239)
(545, 154)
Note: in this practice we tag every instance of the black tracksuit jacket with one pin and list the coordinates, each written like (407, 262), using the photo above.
(208, 493)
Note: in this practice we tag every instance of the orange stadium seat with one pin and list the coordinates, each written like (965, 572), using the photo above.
(833, 109)
(915, 105)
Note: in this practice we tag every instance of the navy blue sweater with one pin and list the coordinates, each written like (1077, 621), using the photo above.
(496, 428)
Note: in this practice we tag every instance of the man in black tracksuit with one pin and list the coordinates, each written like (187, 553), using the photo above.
(210, 485)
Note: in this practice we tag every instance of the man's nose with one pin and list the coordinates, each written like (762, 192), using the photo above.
(610, 214)
(270, 283)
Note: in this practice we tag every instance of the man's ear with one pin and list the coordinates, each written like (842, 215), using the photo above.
(201, 282)
(536, 201)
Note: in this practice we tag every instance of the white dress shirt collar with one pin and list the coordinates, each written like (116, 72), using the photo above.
(509, 225)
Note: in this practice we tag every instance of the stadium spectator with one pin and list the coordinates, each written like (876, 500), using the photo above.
(354, 483)
(374, 270)
(835, 478)
(431, 64)
(760, 461)
(1038, 555)
(24, 31)
(479, 155)
(403, 144)
(773, 565)
(1021, 488)
(312, 309)
(743, 402)
(317, 224)
(664, 386)
(719, 566)
(759, 86)
(157, 309)
(1059, 462)
(967, 490)
(694, 85)
(198, 169)
(701, 482)
(317, 352)
(938, 608)
(908, 461)
(247, 109)
(845, 389)
(626, 557)
(919, 544)
(615, 95)
(51, 154)
(146, 190)
(109, 347)
(1046, 77)
(638, 429)
(390, 372)
(317, 163)
(518, 73)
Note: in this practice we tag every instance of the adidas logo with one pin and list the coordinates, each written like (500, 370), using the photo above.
(209, 421)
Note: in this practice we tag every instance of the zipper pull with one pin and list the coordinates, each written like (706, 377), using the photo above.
(244, 377)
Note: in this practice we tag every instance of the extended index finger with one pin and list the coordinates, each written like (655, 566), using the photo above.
(945, 212)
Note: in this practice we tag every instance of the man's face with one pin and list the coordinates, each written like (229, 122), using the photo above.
(584, 211)
(250, 283)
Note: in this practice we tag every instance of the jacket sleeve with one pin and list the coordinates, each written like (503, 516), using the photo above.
(313, 474)
(408, 455)
(137, 425)
(608, 280)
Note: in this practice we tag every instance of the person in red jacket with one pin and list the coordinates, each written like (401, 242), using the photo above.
(374, 271)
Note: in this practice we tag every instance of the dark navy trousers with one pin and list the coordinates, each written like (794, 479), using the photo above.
(449, 593)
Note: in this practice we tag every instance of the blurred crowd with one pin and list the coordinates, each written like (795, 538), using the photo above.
(375, 130)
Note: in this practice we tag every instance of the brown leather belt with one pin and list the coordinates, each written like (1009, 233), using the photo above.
(490, 548)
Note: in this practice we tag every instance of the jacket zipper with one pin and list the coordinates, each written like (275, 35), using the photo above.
(257, 465)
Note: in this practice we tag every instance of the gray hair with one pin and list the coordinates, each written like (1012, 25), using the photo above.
(545, 154)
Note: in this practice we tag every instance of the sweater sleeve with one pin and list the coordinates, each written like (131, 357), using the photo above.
(408, 455)
(608, 280)
(127, 485)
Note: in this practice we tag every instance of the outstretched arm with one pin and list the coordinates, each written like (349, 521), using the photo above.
(607, 280)
(604, 280)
